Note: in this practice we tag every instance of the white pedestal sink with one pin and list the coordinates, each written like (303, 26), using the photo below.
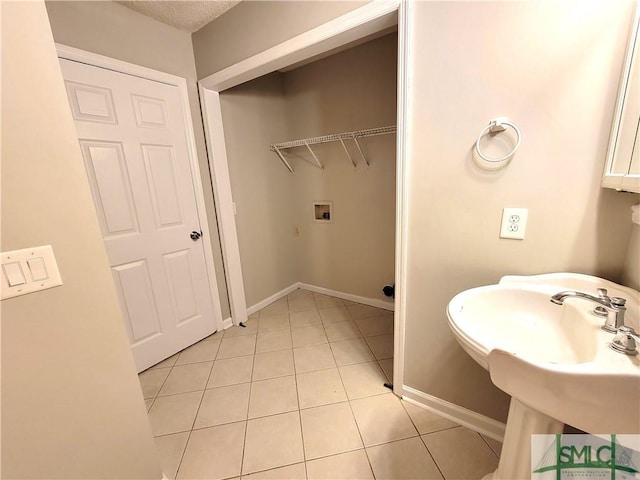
(554, 360)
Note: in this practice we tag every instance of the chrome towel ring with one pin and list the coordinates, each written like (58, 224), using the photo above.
(498, 125)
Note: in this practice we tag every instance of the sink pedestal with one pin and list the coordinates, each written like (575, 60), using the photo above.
(549, 358)
(515, 459)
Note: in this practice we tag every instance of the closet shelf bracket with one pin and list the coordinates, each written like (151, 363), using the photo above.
(348, 154)
(360, 150)
(314, 156)
(284, 160)
(307, 142)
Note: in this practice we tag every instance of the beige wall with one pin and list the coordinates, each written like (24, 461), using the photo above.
(255, 117)
(631, 271)
(553, 68)
(254, 26)
(354, 89)
(109, 29)
(71, 402)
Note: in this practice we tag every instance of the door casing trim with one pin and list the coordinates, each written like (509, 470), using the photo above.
(371, 18)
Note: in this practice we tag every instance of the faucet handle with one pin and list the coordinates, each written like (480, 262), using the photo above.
(618, 301)
(625, 341)
(600, 311)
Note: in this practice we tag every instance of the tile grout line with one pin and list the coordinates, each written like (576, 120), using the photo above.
(186, 445)
(290, 411)
(155, 397)
(364, 446)
(246, 422)
(163, 382)
(295, 378)
(432, 457)
(348, 401)
(422, 439)
(300, 409)
(175, 362)
(275, 414)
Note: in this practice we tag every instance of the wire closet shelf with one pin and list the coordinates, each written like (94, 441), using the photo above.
(335, 137)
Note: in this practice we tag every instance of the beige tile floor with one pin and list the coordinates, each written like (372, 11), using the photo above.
(298, 394)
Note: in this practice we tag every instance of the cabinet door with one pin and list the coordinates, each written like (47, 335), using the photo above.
(634, 166)
(622, 170)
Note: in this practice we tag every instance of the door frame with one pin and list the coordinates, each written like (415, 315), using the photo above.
(75, 54)
(369, 19)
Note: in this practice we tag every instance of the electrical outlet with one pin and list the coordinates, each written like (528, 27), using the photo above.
(514, 223)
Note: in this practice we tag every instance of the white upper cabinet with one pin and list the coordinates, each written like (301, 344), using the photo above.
(622, 170)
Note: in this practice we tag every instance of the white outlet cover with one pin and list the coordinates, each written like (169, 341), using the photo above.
(514, 223)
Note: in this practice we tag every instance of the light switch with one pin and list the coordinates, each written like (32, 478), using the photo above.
(28, 270)
(13, 273)
(38, 269)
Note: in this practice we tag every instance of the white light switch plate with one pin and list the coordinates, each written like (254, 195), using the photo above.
(33, 263)
(514, 223)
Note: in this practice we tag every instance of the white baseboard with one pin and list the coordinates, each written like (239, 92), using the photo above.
(269, 300)
(325, 291)
(374, 302)
(226, 323)
(465, 417)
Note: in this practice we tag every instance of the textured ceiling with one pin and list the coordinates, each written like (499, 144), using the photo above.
(187, 15)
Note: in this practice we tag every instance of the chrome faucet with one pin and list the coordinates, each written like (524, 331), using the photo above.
(611, 308)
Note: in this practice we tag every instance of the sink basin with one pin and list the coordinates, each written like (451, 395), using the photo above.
(524, 322)
(554, 360)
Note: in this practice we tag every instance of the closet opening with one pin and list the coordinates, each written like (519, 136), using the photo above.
(320, 211)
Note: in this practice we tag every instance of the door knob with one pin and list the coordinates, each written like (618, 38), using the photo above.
(195, 235)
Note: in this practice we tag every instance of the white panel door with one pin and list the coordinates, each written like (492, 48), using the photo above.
(133, 141)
